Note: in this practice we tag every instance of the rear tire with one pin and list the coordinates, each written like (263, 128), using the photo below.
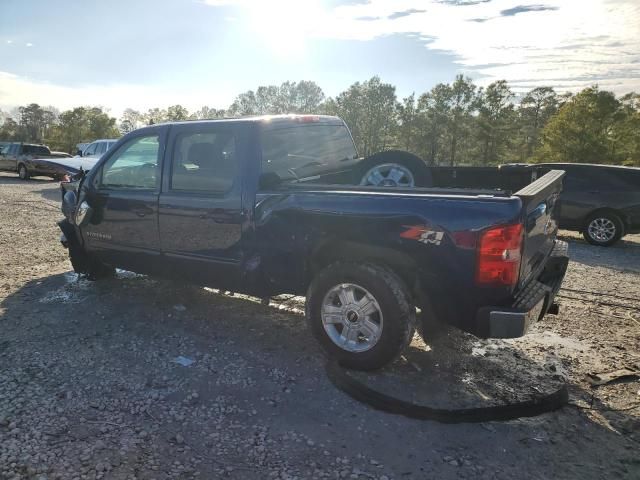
(603, 229)
(361, 314)
(23, 172)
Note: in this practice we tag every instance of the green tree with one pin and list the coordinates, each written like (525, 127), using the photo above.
(82, 124)
(536, 108)
(10, 130)
(495, 123)
(435, 110)
(369, 108)
(34, 122)
(409, 122)
(244, 104)
(289, 97)
(626, 131)
(462, 104)
(177, 113)
(131, 120)
(208, 113)
(155, 115)
(584, 129)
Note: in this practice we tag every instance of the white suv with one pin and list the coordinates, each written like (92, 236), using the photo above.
(97, 148)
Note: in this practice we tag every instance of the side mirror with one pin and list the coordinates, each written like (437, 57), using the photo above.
(83, 214)
(79, 153)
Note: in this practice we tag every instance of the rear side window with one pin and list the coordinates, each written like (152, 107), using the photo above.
(204, 162)
(577, 180)
(134, 165)
(625, 180)
(35, 150)
(306, 150)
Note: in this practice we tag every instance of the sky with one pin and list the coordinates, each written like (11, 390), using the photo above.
(155, 53)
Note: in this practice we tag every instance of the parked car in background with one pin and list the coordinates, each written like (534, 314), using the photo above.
(3, 145)
(98, 148)
(23, 158)
(79, 148)
(600, 201)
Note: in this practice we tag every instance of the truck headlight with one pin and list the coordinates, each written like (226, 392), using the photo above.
(83, 213)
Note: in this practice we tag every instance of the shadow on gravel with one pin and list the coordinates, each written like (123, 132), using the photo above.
(11, 180)
(111, 346)
(624, 255)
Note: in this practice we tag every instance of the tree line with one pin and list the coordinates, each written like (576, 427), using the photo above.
(457, 123)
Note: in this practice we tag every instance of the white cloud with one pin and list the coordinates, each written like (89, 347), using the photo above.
(16, 90)
(29, 44)
(9, 42)
(565, 43)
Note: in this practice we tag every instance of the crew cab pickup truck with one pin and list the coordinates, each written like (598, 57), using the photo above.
(28, 159)
(273, 205)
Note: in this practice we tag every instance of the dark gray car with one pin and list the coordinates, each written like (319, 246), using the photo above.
(600, 201)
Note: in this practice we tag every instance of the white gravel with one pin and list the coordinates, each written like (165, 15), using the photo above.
(89, 386)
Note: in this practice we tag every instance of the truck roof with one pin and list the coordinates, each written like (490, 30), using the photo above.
(278, 120)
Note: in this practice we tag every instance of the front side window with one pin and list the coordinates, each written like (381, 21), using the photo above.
(133, 165)
(204, 162)
(101, 148)
(306, 150)
(91, 150)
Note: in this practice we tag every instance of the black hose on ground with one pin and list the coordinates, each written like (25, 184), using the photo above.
(386, 403)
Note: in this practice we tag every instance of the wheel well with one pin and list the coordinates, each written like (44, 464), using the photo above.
(347, 251)
(606, 210)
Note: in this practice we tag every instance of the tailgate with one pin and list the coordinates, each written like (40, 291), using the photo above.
(540, 222)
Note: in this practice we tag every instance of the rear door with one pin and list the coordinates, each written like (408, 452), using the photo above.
(201, 211)
(124, 195)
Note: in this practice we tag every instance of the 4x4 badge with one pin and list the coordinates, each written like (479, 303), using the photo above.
(422, 234)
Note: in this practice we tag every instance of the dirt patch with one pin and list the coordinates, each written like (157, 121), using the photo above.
(92, 384)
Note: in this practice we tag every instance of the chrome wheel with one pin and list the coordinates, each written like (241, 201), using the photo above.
(602, 229)
(389, 175)
(22, 172)
(352, 317)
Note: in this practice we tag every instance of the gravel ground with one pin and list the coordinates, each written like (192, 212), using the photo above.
(90, 386)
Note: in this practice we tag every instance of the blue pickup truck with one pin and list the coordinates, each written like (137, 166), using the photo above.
(282, 204)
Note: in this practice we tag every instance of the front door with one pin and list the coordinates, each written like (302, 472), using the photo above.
(8, 158)
(201, 214)
(123, 230)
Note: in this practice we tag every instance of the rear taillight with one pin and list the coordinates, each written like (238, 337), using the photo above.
(499, 255)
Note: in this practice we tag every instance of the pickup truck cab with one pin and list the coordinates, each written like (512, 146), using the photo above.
(273, 205)
(24, 159)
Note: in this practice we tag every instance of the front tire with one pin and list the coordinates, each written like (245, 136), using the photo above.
(87, 265)
(23, 172)
(603, 229)
(361, 314)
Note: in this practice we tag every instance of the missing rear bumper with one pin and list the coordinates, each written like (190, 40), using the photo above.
(531, 304)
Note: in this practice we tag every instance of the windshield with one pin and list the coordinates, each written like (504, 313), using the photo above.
(306, 150)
